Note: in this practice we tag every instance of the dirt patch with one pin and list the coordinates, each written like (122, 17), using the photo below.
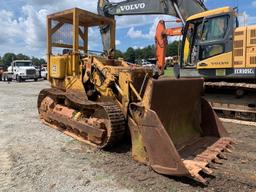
(238, 173)
(34, 157)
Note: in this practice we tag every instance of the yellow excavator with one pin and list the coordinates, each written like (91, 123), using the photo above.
(213, 46)
(213, 43)
(216, 48)
(98, 100)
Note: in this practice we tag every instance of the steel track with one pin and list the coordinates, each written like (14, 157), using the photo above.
(228, 106)
(115, 126)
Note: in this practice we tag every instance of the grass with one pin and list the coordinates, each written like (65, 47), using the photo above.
(169, 72)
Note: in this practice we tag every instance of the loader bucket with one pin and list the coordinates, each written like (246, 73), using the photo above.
(180, 131)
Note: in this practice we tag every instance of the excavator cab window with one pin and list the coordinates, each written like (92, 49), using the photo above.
(192, 35)
(214, 29)
(206, 37)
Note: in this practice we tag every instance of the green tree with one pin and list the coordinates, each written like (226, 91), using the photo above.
(36, 61)
(1, 61)
(173, 48)
(119, 54)
(139, 54)
(130, 55)
(8, 58)
(42, 61)
(149, 52)
(21, 56)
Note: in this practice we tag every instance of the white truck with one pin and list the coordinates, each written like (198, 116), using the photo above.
(21, 70)
(44, 73)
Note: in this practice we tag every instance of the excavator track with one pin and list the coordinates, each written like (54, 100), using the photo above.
(100, 124)
(232, 100)
(228, 106)
(230, 85)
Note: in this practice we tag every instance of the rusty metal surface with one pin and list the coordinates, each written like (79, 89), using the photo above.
(81, 127)
(162, 153)
(229, 106)
(177, 135)
(189, 134)
(211, 125)
(213, 154)
(100, 124)
(177, 104)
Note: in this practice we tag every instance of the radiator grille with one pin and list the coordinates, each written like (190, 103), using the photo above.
(31, 71)
(253, 41)
(253, 33)
(253, 60)
(239, 44)
(239, 52)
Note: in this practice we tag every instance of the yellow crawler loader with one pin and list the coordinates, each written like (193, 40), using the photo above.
(97, 100)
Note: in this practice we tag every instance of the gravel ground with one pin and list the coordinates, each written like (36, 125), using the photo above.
(35, 158)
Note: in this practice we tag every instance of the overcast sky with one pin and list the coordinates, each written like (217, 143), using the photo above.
(23, 28)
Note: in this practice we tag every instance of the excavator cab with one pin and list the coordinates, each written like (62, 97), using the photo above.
(97, 100)
(207, 39)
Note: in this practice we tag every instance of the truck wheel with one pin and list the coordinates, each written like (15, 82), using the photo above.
(18, 78)
(35, 79)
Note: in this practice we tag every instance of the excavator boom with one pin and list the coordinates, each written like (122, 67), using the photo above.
(178, 8)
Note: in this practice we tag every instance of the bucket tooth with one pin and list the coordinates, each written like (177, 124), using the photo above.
(227, 150)
(220, 153)
(195, 167)
(202, 165)
(200, 179)
(212, 166)
(207, 170)
(217, 161)
(229, 146)
(213, 155)
(222, 156)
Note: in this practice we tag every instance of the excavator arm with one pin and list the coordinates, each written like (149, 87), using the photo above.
(161, 42)
(181, 9)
